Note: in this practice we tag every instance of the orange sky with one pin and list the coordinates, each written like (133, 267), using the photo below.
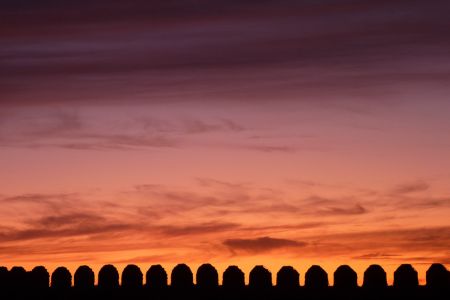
(308, 189)
(298, 134)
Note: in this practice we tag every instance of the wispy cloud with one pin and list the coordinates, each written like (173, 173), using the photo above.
(121, 129)
(357, 209)
(272, 148)
(38, 198)
(196, 126)
(408, 188)
(376, 255)
(42, 231)
(70, 130)
(80, 130)
(204, 228)
(262, 244)
(410, 196)
(418, 203)
(394, 242)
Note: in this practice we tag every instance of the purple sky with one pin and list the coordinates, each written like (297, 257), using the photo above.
(156, 51)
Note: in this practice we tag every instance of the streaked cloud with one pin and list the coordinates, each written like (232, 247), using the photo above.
(261, 244)
(408, 188)
(357, 209)
(63, 226)
(204, 228)
(80, 130)
(157, 52)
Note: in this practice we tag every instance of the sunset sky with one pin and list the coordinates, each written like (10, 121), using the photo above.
(232, 132)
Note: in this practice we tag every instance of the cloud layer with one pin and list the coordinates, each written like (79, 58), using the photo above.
(228, 216)
(216, 50)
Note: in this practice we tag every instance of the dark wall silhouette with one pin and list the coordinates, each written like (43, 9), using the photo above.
(3, 277)
(61, 278)
(288, 277)
(438, 276)
(156, 277)
(345, 277)
(132, 277)
(406, 277)
(207, 276)
(233, 278)
(182, 276)
(17, 277)
(39, 278)
(108, 277)
(316, 277)
(374, 277)
(260, 277)
(84, 278)
(19, 284)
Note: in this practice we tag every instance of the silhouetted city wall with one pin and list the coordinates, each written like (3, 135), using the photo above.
(38, 283)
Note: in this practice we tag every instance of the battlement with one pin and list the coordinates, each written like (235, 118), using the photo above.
(19, 283)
